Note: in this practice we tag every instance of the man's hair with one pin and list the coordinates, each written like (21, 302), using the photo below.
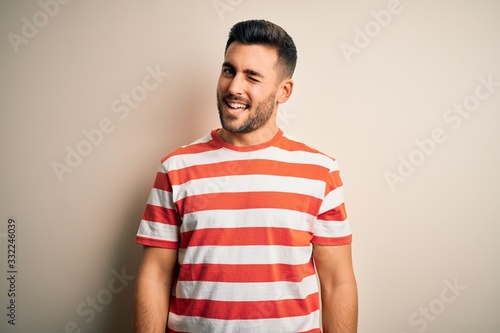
(266, 33)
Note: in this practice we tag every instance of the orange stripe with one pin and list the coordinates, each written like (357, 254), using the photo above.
(245, 236)
(161, 215)
(245, 273)
(336, 214)
(332, 240)
(250, 167)
(249, 200)
(227, 310)
(162, 182)
(333, 182)
(291, 145)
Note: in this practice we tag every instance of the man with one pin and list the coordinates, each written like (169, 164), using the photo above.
(237, 220)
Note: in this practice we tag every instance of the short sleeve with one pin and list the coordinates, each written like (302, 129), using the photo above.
(331, 226)
(160, 222)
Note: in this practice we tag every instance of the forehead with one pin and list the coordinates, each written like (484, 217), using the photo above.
(251, 57)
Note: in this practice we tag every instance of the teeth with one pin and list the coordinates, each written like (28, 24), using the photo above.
(237, 106)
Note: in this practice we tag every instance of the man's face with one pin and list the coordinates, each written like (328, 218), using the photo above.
(246, 91)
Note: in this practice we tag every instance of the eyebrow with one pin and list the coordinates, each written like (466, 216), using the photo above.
(246, 71)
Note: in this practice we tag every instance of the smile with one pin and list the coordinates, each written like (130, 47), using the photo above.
(236, 106)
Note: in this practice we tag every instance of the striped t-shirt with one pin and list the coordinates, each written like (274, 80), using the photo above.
(244, 220)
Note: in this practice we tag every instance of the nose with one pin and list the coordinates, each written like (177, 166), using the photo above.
(237, 85)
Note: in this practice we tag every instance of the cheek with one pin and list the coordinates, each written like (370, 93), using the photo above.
(221, 83)
(224, 81)
(259, 94)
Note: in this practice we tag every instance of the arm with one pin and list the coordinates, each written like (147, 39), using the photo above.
(339, 297)
(153, 287)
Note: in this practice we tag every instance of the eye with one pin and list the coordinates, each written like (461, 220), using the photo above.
(228, 71)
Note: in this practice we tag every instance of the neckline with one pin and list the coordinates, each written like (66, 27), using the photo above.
(219, 142)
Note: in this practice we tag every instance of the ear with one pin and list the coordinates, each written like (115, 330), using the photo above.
(285, 90)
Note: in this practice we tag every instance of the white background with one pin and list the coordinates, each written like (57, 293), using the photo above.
(438, 224)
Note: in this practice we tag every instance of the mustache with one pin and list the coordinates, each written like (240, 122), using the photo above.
(235, 99)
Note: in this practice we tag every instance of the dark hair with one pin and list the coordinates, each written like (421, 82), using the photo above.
(269, 34)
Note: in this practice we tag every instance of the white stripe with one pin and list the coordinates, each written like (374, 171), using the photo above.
(157, 230)
(255, 291)
(271, 153)
(333, 199)
(250, 183)
(332, 228)
(273, 254)
(275, 325)
(160, 198)
(239, 218)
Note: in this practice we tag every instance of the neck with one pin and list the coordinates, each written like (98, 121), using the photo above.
(262, 135)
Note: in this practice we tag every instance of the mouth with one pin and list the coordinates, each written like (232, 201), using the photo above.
(236, 106)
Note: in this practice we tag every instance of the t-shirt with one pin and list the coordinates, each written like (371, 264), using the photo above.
(244, 220)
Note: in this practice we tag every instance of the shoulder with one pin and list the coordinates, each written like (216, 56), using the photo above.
(198, 146)
(309, 154)
(188, 155)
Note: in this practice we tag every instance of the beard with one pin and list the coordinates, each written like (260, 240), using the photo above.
(255, 120)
